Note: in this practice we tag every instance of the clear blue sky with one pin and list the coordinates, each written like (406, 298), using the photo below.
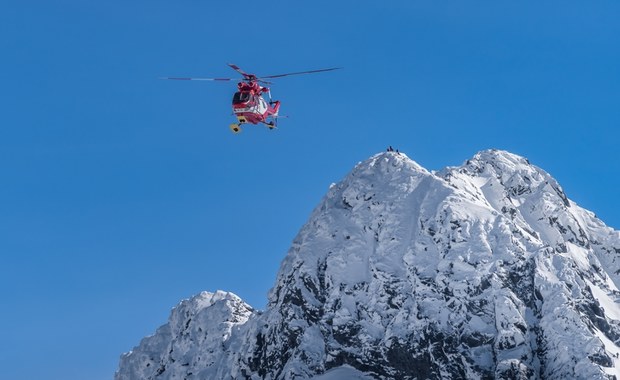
(122, 194)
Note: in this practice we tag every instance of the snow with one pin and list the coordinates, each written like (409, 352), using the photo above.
(610, 304)
(614, 352)
(343, 373)
(473, 271)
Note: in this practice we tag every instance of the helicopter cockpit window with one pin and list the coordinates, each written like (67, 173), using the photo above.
(241, 97)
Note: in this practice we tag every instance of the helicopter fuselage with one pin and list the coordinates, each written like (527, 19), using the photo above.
(249, 105)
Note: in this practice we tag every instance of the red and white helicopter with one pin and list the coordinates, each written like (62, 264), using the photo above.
(248, 103)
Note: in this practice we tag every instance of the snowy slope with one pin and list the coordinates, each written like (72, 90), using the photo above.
(486, 270)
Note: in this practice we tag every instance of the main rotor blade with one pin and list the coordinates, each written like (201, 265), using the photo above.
(209, 79)
(300, 72)
(238, 69)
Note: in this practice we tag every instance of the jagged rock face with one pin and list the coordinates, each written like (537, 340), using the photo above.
(486, 270)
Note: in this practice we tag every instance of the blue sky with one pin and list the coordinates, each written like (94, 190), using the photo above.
(123, 194)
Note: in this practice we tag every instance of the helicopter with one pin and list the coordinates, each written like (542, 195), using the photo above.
(248, 103)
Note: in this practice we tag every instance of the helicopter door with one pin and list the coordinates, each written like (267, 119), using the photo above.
(262, 105)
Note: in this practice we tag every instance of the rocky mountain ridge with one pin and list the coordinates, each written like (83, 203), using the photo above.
(486, 270)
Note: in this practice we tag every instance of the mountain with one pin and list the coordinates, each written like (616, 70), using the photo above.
(482, 271)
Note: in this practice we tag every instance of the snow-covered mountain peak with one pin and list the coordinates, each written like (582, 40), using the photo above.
(510, 171)
(387, 162)
(365, 208)
(501, 159)
(509, 184)
(383, 173)
(486, 270)
(197, 328)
